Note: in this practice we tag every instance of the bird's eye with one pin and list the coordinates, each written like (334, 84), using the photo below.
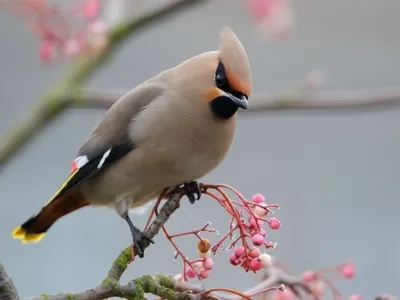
(220, 80)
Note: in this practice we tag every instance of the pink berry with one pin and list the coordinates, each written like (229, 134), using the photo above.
(258, 198)
(208, 263)
(233, 259)
(197, 265)
(347, 270)
(254, 252)
(309, 276)
(258, 239)
(274, 223)
(246, 264)
(355, 297)
(190, 273)
(256, 264)
(239, 252)
(203, 273)
(253, 225)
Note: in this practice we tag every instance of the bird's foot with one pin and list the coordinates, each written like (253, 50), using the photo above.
(140, 240)
(192, 189)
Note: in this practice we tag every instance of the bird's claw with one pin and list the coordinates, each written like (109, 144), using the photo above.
(140, 239)
(139, 242)
(192, 189)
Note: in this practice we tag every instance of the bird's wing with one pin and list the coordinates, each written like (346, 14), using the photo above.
(109, 140)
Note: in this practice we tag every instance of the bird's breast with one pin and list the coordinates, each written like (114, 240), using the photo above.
(183, 143)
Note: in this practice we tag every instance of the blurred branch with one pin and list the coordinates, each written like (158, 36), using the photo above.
(53, 102)
(7, 288)
(291, 100)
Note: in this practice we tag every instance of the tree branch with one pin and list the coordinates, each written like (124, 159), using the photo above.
(7, 288)
(291, 100)
(53, 102)
(160, 285)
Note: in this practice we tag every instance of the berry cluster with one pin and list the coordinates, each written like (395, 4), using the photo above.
(252, 258)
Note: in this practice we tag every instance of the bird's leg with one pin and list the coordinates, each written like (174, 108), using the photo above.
(192, 188)
(139, 238)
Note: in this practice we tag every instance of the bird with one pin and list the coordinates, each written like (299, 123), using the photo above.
(168, 131)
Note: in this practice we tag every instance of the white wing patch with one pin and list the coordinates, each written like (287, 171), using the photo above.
(79, 162)
(103, 159)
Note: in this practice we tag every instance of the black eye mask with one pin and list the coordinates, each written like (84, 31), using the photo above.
(221, 81)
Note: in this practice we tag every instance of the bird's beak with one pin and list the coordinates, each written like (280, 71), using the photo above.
(240, 102)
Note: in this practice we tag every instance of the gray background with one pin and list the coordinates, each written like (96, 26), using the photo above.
(335, 174)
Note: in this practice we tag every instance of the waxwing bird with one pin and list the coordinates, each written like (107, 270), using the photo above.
(167, 132)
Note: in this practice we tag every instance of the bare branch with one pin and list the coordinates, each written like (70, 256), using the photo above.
(53, 102)
(7, 288)
(291, 100)
(341, 100)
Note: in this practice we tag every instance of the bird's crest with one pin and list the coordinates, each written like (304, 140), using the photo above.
(234, 58)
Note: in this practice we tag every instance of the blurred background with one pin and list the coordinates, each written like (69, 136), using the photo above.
(334, 173)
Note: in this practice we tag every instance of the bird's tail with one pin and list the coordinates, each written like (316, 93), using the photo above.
(34, 229)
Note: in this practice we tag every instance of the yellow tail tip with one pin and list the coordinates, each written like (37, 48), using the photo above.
(20, 233)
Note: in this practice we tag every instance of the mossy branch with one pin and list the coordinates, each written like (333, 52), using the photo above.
(69, 86)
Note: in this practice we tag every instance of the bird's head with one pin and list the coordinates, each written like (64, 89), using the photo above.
(232, 77)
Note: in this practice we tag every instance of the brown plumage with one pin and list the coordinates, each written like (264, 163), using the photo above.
(171, 130)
